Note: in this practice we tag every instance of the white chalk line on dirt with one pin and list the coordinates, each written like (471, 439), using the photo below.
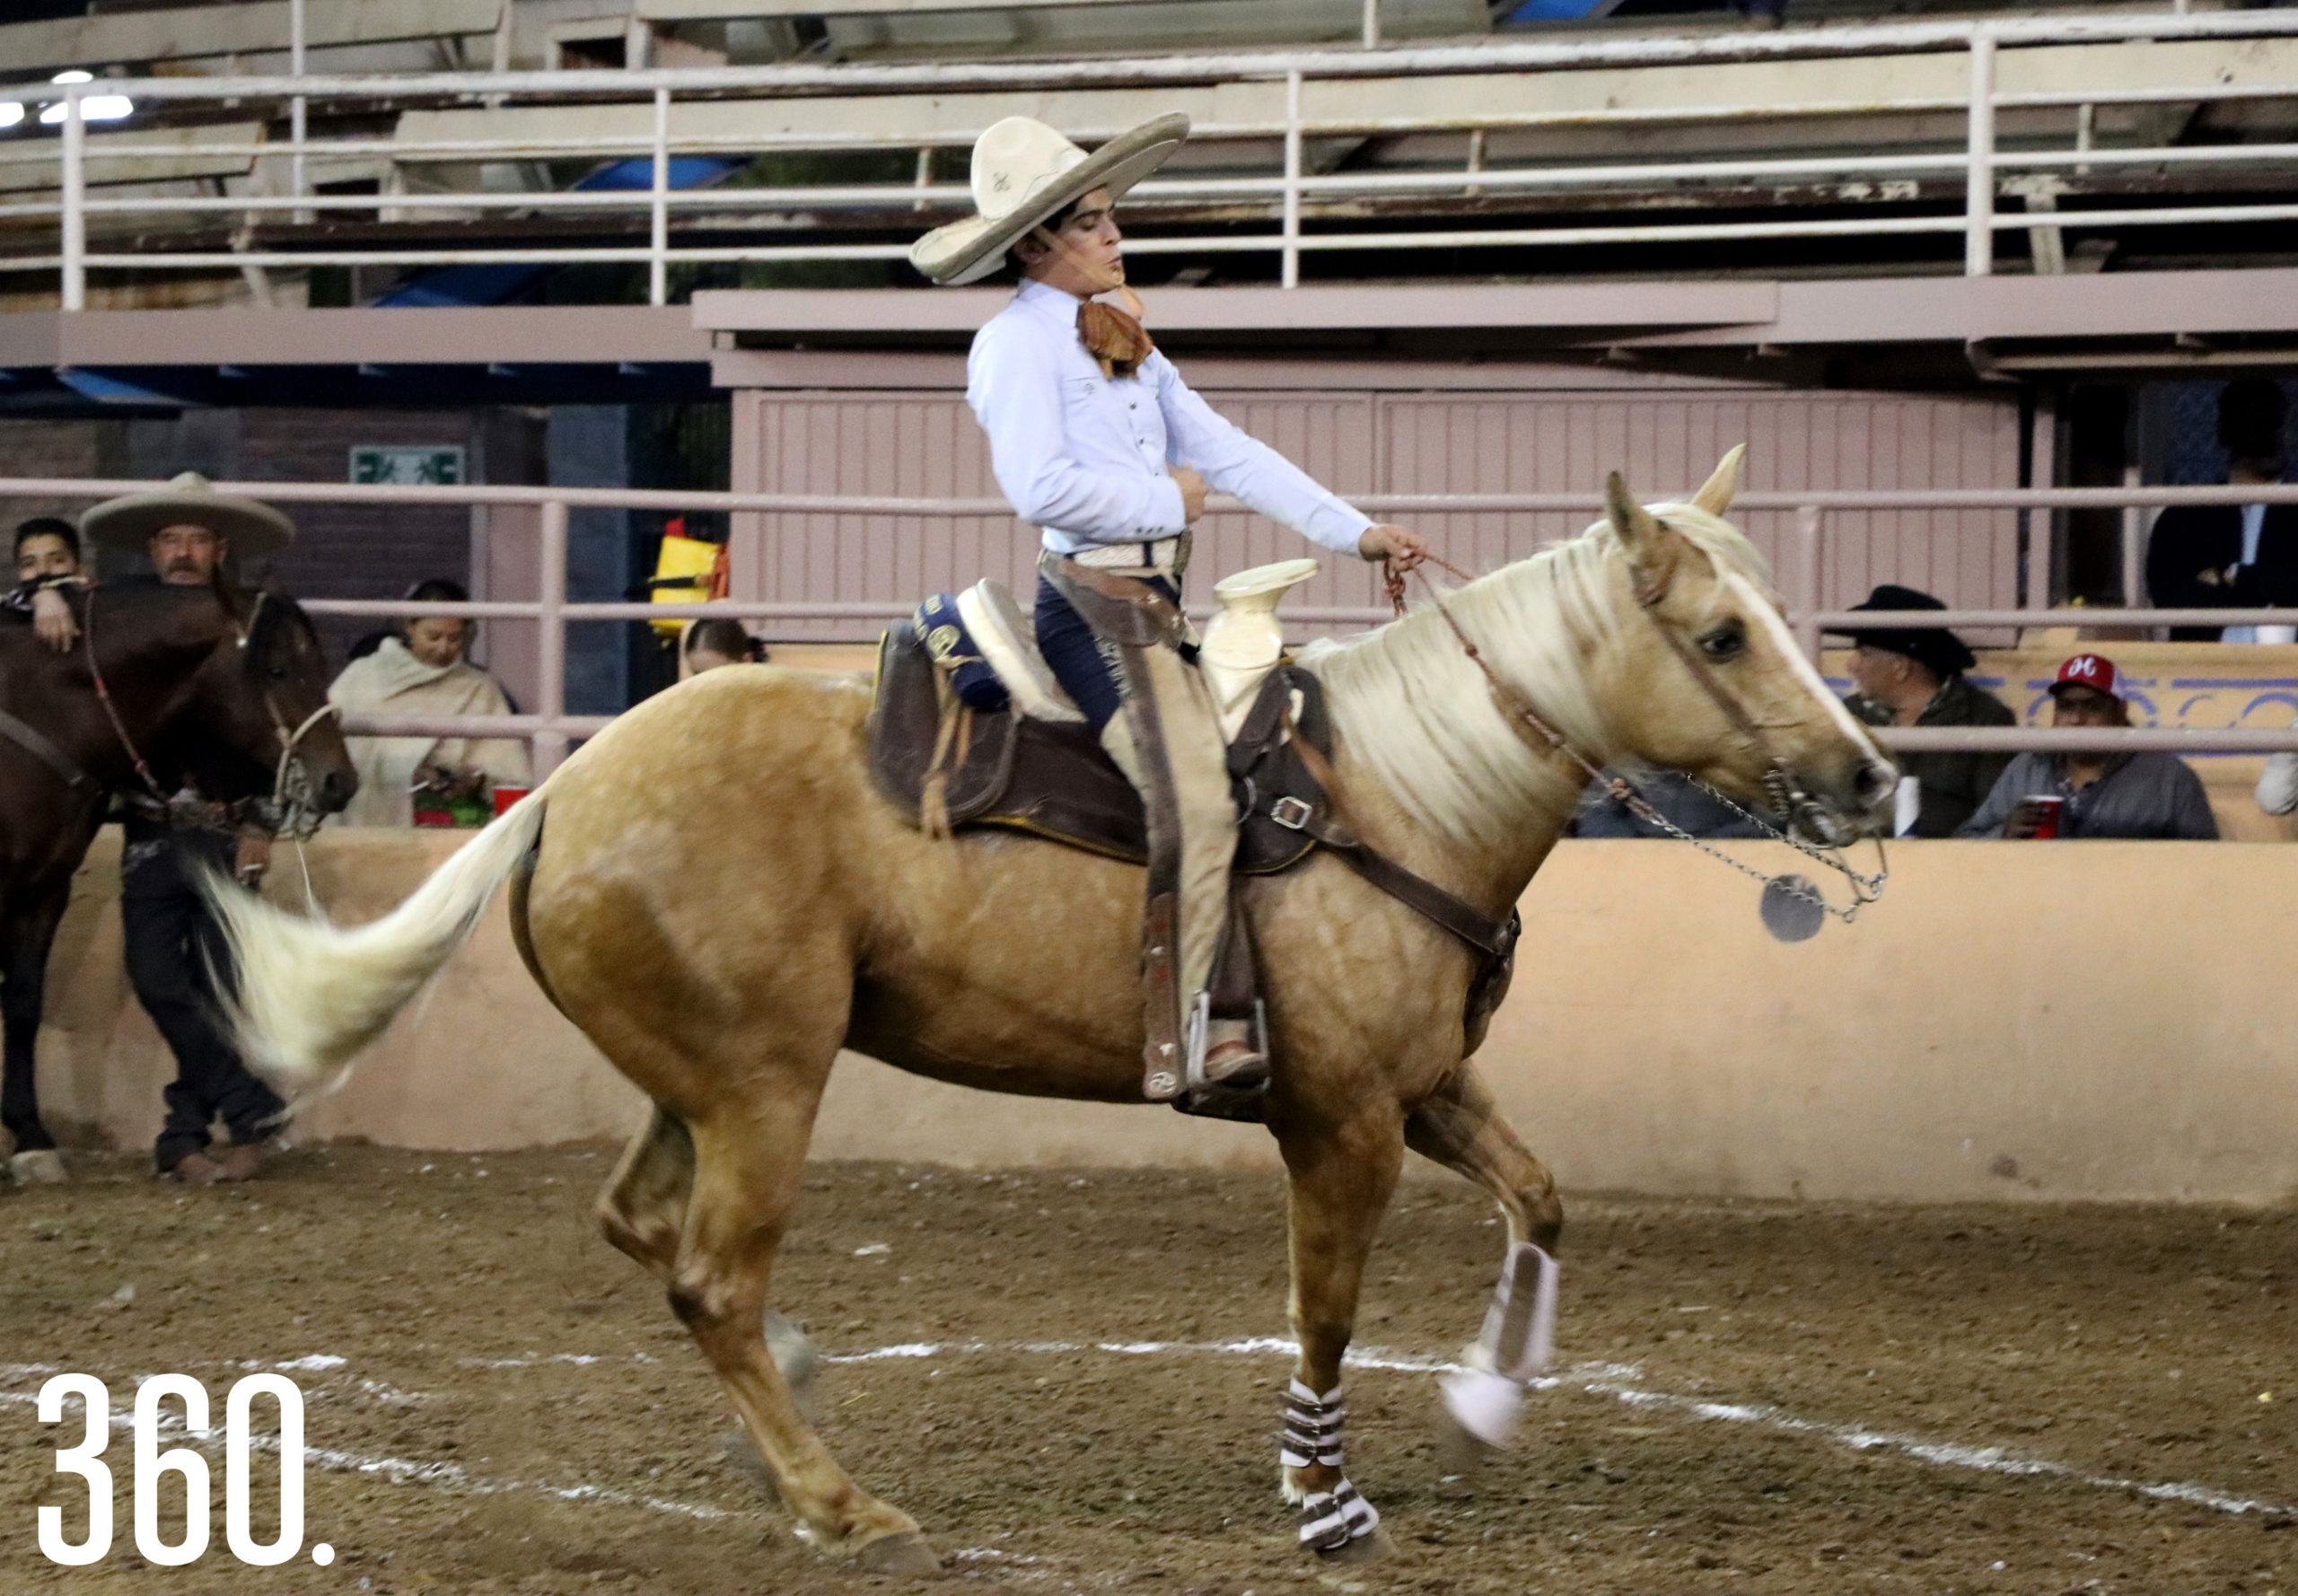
(1605, 1379)
(1608, 1379)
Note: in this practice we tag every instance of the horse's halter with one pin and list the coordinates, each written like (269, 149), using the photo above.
(292, 811)
(1803, 812)
(295, 812)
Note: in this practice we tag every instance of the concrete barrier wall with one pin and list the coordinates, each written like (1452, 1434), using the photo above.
(2017, 1021)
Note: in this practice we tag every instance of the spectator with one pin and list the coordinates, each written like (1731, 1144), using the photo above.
(176, 954)
(1682, 801)
(420, 670)
(47, 556)
(1915, 678)
(2145, 795)
(720, 641)
(2232, 556)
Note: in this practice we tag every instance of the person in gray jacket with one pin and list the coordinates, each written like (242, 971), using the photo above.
(2142, 795)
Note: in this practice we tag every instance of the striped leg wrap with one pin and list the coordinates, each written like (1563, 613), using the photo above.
(1329, 1520)
(1312, 1427)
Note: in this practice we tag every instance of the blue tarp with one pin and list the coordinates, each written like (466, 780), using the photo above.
(500, 285)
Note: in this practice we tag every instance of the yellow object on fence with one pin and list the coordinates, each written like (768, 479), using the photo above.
(688, 571)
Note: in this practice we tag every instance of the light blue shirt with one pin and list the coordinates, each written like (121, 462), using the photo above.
(1083, 456)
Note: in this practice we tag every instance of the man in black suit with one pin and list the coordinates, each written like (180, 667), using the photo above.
(2232, 556)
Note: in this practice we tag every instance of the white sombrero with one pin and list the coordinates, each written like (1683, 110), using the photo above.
(252, 528)
(1023, 172)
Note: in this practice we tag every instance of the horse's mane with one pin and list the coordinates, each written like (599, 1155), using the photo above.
(1420, 715)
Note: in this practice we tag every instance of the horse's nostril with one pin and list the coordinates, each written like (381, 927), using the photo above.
(1875, 783)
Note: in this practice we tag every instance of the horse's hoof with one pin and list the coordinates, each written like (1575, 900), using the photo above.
(1373, 1546)
(42, 1167)
(742, 1452)
(903, 1554)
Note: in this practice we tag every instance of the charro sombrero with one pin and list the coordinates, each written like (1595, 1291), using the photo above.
(253, 528)
(1023, 172)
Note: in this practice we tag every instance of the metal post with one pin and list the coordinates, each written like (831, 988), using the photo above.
(2133, 555)
(1372, 24)
(551, 639)
(1978, 202)
(298, 108)
(75, 177)
(658, 274)
(1292, 274)
(1809, 531)
(2086, 134)
(925, 175)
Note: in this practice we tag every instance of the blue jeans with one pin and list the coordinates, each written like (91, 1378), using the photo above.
(1086, 668)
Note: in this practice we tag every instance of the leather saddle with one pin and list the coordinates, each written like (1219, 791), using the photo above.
(1051, 778)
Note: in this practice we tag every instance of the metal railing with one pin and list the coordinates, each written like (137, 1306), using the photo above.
(1984, 162)
(549, 730)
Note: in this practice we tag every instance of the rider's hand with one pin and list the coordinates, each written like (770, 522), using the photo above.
(1401, 548)
(52, 622)
(1192, 487)
(251, 858)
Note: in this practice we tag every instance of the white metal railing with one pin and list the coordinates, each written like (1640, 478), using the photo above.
(1983, 162)
(551, 729)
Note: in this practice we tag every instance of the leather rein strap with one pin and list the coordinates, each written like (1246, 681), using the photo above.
(37, 744)
(112, 710)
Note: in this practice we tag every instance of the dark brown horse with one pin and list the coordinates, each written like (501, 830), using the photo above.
(213, 682)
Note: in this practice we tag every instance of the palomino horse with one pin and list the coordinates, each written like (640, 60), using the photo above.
(224, 682)
(721, 900)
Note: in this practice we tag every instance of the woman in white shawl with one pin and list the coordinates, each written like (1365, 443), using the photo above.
(420, 670)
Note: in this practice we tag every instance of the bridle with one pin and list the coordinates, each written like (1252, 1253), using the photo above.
(1811, 830)
(291, 811)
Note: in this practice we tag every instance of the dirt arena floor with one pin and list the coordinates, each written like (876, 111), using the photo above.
(1064, 1377)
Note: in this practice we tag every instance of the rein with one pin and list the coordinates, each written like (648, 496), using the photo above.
(1786, 797)
(112, 710)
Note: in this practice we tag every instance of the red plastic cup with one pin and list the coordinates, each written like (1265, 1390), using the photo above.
(2046, 808)
(505, 795)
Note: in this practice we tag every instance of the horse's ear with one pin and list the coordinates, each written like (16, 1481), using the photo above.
(1639, 530)
(1650, 544)
(1715, 494)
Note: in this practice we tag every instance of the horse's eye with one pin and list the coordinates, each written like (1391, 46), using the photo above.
(1727, 642)
(276, 673)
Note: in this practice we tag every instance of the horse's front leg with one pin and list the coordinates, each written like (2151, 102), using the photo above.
(1459, 1126)
(1341, 1175)
(24, 945)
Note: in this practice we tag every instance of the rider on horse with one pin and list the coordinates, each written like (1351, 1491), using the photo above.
(1096, 440)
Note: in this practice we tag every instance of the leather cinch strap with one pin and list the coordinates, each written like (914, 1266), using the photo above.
(1494, 938)
(37, 744)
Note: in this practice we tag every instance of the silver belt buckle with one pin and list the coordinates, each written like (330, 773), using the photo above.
(1290, 812)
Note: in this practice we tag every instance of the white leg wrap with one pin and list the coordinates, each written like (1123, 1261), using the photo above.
(1329, 1520)
(1518, 1331)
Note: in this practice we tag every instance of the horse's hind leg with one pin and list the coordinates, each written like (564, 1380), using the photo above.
(642, 1209)
(747, 1160)
(1459, 1128)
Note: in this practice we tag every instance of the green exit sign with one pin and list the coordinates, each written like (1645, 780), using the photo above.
(408, 465)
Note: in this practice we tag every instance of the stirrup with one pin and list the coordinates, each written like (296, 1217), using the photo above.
(1236, 1092)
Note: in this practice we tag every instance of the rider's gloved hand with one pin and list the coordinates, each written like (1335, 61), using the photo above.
(1401, 548)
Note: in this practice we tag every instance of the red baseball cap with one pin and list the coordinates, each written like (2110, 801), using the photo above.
(2090, 671)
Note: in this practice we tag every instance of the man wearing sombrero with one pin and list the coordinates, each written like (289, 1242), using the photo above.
(189, 531)
(1096, 440)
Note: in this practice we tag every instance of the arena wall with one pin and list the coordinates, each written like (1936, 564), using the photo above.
(2071, 1022)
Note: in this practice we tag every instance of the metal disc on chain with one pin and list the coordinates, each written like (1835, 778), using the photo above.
(1791, 910)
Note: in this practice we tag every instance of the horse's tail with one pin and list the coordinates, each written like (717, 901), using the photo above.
(312, 996)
